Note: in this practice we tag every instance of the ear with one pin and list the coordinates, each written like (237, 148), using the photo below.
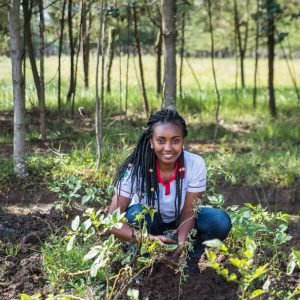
(151, 143)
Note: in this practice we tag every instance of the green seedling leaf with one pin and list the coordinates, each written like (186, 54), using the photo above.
(256, 293)
(91, 254)
(250, 246)
(94, 269)
(71, 242)
(143, 260)
(86, 225)
(75, 223)
(170, 247)
(133, 294)
(290, 267)
(232, 277)
(266, 285)
(216, 243)
(260, 271)
(211, 255)
(25, 297)
(239, 263)
(297, 255)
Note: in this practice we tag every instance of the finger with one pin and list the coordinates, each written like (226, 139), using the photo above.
(168, 240)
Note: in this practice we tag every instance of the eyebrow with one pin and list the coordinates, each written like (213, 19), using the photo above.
(163, 137)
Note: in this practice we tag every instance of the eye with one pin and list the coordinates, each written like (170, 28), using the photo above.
(176, 141)
(160, 141)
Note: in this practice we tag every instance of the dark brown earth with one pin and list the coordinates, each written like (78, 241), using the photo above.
(23, 230)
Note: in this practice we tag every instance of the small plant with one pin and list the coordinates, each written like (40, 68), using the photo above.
(12, 250)
(247, 270)
(68, 190)
(293, 262)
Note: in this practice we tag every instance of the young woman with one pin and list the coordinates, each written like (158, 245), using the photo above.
(161, 174)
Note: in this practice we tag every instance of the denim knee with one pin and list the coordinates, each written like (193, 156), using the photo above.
(132, 212)
(212, 223)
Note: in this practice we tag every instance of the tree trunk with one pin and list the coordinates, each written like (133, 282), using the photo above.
(86, 26)
(256, 54)
(111, 52)
(169, 38)
(100, 100)
(181, 55)
(139, 51)
(42, 105)
(239, 38)
(127, 61)
(271, 54)
(27, 8)
(72, 52)
(61, 39)
(158, 52)
(212, 50)
(18, 88)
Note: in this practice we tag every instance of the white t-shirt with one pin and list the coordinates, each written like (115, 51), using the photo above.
(194, 181)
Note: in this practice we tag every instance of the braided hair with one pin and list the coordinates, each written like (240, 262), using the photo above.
(143, 162)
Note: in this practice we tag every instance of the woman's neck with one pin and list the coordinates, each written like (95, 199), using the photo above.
(166, 167)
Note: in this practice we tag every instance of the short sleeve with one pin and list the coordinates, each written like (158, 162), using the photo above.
(197, 182)
(124, 188)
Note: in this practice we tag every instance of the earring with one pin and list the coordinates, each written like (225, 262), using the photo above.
(151, 146)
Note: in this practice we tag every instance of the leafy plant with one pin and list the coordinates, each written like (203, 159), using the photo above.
(244, 263)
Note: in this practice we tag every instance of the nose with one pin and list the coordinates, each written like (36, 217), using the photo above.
(168, 145)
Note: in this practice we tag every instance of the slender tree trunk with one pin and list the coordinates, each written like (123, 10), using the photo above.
(72, 52)
(292, 74)
(111, 52)
(211, 30)
(27, 9)
(181, 55)
(271, 54)
(169, 38)
(42, 104)
(139, 51)
(61, 39)
(100, 99)
(127, 61)
(158, 52)
(76, 61)
(239, 38)
(256, 54)
(18, 88)
(86, 27)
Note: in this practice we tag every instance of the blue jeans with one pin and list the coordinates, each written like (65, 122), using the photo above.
(210, 223)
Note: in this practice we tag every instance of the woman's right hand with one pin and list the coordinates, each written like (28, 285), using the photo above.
(162, 239)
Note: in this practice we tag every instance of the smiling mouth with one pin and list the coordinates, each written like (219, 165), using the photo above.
(168, 156)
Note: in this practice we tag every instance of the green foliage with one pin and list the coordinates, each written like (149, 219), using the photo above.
(63, 268)
(244, 263)
(7, 171)
(294, 261)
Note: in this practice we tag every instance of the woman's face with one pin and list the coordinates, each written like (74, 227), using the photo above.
(167, 141)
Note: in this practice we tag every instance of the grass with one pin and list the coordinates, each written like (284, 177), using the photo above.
(256, 149)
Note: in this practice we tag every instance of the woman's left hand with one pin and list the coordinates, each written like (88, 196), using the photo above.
(163, 240)
(180, 249)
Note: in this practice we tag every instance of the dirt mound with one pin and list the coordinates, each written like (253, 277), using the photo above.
(164, 285)
(21, 237)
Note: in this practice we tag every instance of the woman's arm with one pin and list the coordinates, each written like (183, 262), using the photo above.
(127, 232)
(187, 218)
